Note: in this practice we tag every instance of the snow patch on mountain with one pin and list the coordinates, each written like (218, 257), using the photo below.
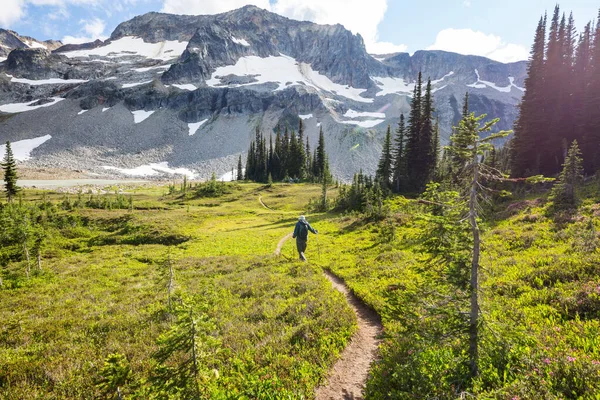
(53, 81)
(23, 107)
(153, 169)
(243, 42)
(146, 69)
(141, 115)
(283, 70)
(187, 86)
(393, 86)
(481, 84)
(305, 117)
(448, 75)
(360, 114)
(105, 109)
(82, 112)
(130, 85)
(134, 46)
(22, 149)
(364, 124)
(195, 126)
(2, 59)
(231, 175)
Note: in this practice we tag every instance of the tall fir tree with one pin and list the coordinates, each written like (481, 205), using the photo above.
(9, 166)
(426, 158)
(525, 151)
(321, 159)
(240, 172)
(399, 173)
(384, 169)
(413, 157)
(591, 106)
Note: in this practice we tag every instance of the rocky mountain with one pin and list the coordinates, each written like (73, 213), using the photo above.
(10, 40)
(182, 94)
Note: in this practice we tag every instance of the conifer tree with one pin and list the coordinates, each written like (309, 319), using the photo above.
(467, 149)
(563, 195)
(309, 166)
(9, 167)
(413, 157)
(321, 158)
(399, 173)
(425, 156)
(435, 146)
(184, 355)
(529, 125)
(240, 172)
(591, 124)
(384, 170)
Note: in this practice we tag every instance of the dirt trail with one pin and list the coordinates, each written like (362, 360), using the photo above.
(263, 204)
(349, 374)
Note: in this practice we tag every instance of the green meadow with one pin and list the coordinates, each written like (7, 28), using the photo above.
(121, 274)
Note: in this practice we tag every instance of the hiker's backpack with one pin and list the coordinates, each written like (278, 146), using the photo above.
(303, 232)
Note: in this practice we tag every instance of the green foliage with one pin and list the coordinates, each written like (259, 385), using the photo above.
(115, 374)
(186, 354)
(267, 328)
(563, 195)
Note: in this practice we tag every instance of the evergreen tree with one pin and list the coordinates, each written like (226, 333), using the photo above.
(563, 195)
(399, 173)
(435, 146)
(240, 172)
(309, 166)
(9, 167)
(413, 157)
(276, 163)
(384, 170)
(591, 106)
(525, 146)
(425, 160)
(321, 158)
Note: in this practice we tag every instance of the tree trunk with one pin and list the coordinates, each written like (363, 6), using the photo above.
(26, 250)
(39, 259)
(474, 315)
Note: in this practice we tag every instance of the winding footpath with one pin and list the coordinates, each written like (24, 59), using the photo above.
(349, 374)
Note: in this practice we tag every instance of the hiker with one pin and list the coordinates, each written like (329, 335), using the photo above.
(301, 235)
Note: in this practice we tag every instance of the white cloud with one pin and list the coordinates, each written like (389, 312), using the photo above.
(195, 7)
(468, 41)
(12, 11)
(353, 14)
(91, 30)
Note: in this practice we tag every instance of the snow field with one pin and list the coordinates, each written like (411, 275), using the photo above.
(129, 45)
(22, 149)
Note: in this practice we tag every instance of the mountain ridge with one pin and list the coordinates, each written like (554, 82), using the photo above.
(228, 73)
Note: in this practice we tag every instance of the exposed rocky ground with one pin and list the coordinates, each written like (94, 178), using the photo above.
(186, 92)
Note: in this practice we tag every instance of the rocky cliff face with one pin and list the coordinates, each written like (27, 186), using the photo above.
(189, 90)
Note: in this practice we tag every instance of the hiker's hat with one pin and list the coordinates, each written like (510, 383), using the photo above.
(302, 218)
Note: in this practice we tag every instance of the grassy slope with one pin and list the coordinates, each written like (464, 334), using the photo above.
(540, 297)
(280, 324)
(540, 301)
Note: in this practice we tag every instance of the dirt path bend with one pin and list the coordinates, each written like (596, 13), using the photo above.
(263, 204)
(348, 376)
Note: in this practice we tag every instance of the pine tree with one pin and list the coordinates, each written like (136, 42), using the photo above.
(436, 147)
(184, 355)
(591, 106)
(9, 167)
(563, 195)
(240, 172)
(309, 166)
(413, 157)
(468, 149)
(425, 155)
(321, 157)
(525, 147)
(399, 174)
(384, 169)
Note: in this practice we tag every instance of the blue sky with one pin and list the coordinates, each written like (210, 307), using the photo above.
(501, 30)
